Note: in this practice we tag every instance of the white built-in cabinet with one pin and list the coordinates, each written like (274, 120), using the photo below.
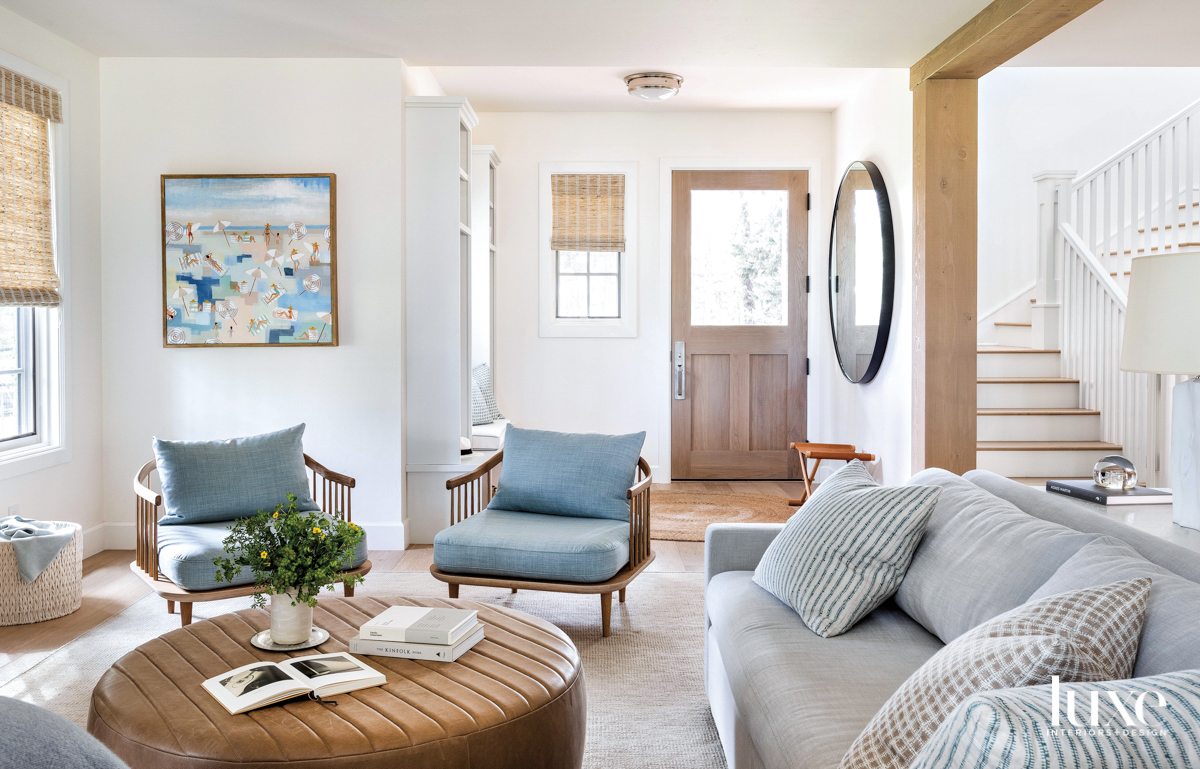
(484, 161)
(438, 296)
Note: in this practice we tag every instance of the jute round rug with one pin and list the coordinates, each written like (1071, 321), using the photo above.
(683, 515)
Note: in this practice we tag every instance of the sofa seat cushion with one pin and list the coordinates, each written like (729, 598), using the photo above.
(1169, 640)
(186, 553)
(505, 543)
(981, 557)
(803, 698)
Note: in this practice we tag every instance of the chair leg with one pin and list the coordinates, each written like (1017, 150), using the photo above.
(453, 589)
(622, 594)
(514, 590)
(606, 613)
(170, 606)
(185, 613)
(348, 589)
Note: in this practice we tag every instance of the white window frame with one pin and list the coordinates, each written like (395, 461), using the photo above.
(549, 325)
(49, 444)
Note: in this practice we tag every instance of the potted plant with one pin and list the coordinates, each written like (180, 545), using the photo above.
(292, 556)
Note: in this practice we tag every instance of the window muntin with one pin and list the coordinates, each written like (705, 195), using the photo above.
(587, 284)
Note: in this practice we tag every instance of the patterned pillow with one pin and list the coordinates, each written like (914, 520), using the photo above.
(480, 413)
(482, 376)
(846, 550)
(1083, 635)
(1016, 728)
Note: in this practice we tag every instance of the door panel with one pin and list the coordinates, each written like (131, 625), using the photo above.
(739, 256)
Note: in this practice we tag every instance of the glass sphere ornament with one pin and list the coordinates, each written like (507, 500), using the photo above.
(1115, 472)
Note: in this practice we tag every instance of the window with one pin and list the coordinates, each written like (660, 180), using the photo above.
(589, 284)
(30, 330)
(588, 259)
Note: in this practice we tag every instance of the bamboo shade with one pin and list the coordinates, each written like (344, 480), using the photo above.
(27, 274)
(589, 212)
(21, 92)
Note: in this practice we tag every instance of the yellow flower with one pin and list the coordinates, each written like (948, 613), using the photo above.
(276, 514)
(264, 555)
(316, 530)
(322, 536)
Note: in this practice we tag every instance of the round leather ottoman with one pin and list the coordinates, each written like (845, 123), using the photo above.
(516, 700)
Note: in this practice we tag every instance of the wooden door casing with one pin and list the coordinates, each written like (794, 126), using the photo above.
(745, 386)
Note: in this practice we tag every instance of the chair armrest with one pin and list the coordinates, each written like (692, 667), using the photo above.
(639, 515)
(326, 474)
(146, 520)
(736, 546)
(478, 472)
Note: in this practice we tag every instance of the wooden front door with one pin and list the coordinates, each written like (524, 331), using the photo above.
(739, 245)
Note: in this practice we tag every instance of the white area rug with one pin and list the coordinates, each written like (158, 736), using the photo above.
(645, 683)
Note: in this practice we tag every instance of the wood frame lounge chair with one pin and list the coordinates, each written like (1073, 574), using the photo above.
(818, 451)
(335, 495)
(471, 493)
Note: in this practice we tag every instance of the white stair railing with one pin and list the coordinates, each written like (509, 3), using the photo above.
(1133, 407)
(1143, 199)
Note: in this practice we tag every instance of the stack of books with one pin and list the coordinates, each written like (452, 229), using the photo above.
(419, 633)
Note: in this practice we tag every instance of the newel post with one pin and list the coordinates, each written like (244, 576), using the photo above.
(1053, 207)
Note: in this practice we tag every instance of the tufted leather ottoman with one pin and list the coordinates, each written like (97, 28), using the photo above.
(515, 700)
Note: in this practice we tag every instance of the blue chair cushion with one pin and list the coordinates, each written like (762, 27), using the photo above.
(581, 475)
(504, 543)
(186, 553)
(206, 481)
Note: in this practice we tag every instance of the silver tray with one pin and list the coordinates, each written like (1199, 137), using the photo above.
(263, 641)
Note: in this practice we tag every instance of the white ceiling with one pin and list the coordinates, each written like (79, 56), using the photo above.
(1122, 33)
(637, 34)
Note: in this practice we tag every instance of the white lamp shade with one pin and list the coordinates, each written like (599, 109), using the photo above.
(1162, 324)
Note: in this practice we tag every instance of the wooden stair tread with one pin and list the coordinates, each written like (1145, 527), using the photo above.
(1007, 323)
(1002, 350)
(1046, 446)
(1026, 380)
(1037, 412)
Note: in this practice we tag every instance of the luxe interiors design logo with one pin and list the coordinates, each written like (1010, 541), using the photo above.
(1107, 713)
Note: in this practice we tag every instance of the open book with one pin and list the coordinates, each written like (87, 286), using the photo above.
(265, 683)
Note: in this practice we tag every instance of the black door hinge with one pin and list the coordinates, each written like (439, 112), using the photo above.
(808, 201)
(807, 367)
(808, 284)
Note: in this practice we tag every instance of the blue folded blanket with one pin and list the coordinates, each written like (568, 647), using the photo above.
(35, 543)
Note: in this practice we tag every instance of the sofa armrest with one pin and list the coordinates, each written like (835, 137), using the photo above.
(736, 546)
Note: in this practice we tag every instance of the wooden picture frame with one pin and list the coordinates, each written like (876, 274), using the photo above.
(237, 247)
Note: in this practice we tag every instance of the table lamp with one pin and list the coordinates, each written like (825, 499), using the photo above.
(1162, 336)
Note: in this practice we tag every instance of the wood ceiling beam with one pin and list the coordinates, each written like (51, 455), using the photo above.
(996, 34)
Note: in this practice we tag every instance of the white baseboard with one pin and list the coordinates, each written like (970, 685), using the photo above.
(95, 539)
(384, 536)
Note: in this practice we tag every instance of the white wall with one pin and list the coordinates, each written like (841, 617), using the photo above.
(255, 116)
(1036, 119)
(71, 491)
(875, 125)
(613, 385)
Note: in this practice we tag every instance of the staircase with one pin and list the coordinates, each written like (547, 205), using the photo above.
(1030, 424)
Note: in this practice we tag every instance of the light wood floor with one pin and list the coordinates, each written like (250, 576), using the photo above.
(109, 586)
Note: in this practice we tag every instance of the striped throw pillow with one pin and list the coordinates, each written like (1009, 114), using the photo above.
(1016, 728)
(1083, 635)
(846, 550)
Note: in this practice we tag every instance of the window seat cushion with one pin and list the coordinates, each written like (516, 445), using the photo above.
(504, 543)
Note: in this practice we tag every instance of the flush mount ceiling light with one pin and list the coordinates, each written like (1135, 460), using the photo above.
(653, 86)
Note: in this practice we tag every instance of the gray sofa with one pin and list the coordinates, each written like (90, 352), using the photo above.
(784, 698)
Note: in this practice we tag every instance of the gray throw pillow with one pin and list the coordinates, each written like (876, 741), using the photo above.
(1009, 729)
(845, 551)
(581, 475)
(481, 375)
(35, 738)
(206, 481)
(1171, 639)
(981, 557)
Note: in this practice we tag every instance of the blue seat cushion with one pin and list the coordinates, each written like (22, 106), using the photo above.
(504, 543)
(186, 553)
(581, 475)
(206, 481)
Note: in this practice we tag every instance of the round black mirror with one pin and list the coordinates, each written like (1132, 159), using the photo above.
(862, 271)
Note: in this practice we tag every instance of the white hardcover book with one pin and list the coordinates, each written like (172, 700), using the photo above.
(419, 625)
(434, 652)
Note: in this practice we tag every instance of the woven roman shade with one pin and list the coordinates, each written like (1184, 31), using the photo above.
(21, 92)
(589, 212)
(27, 274)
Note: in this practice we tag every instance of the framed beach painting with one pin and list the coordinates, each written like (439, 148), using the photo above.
(249, 260)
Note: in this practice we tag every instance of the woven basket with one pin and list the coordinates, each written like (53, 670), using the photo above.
(57, 591)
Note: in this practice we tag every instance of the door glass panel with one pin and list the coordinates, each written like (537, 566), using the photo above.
(739, 257)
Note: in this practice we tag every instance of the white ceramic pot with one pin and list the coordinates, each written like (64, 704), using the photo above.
(291, 623)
